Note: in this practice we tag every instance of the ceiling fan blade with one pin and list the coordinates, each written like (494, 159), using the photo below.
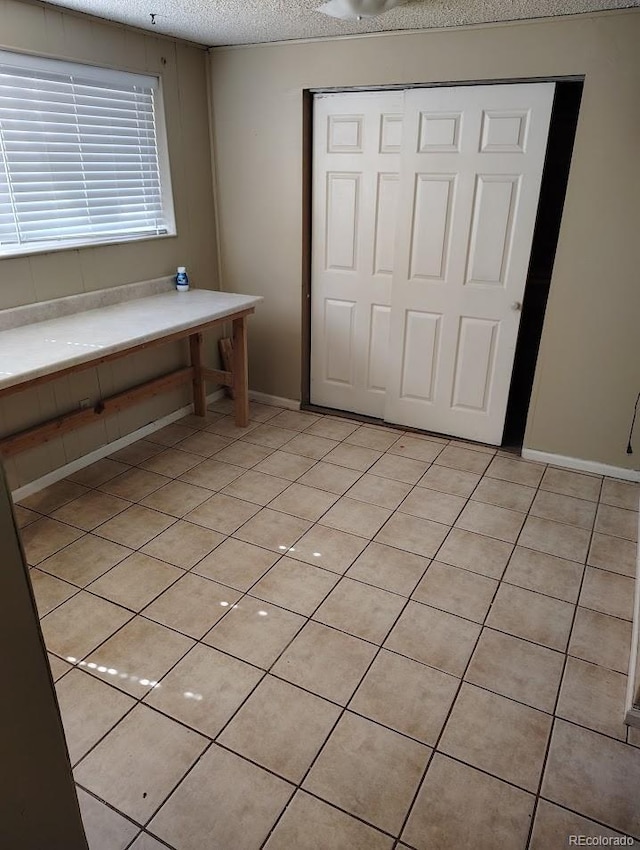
(348, 10)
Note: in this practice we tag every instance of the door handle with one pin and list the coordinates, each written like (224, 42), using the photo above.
(517, 305)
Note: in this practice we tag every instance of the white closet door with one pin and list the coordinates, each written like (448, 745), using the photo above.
(356, 156)
(472, 160)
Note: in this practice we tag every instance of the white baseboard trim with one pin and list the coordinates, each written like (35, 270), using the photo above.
(632, 712)
(582, 465)
(278, 401)
(107, 449)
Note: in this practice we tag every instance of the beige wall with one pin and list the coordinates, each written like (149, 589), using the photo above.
(589, 364)
(50, 32)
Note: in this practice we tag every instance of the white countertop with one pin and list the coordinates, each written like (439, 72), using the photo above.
(44, 348)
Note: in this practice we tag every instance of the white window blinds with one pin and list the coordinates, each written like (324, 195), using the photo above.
(80, 161)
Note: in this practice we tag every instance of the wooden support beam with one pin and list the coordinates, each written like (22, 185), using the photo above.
(32, 437)
(240, 374)
(217, 376)
(199, 386)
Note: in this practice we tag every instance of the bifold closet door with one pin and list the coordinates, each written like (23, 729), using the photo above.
(356, 158)
(471, 167)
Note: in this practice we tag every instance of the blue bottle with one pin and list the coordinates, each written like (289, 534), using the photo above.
(182, 280)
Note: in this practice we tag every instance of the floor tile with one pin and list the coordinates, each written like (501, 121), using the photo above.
(297, 420)
(593, 696)
(224, 802)
(545, 574)
(304, 502)
(332, 428)
(328, 548)
(222, 514)
(353, 457)
(261, 730)
(203, 443)
(516, 470)
(517, 669)
(140, 654)
(97, 473)
(553, 826)
(171, 434)
(504, 494)
(77, 626)
(242, 454)
(497, 735)
(136, 581)
(457, 591)
(491, 520)
(183, 544)
(460, 807)
(226, 427)
(259, 412)
(420, 536)
(51, 498)
(236, 564)
(389, 568)
(355, 517)
(475, 552)
(130, 771)
(310, 446)
(595, 775)
(192, 605)
(255, 631)
(58, 666)
(134, 484)
(325, 662)
(617, 522)
(24, 516)
(406, 696)
(566, 509)
(613, 554)
(456, 482)
(368, 437)
(285, 465)
(135, 453)
(176, 498)
(171, 462)
(369, 771)
(600, 639)
(571, 483)
(620, 494)
(434, 637)
(608, 593)
(532, 616)
(416, 448)
(398, 468)
(89, 709)
(204, 689)
(273, 530)
(144, 841)
(361, 610)
(85, 559)
(379, 491)
(270, 437)
(330, 477)
(555, 538)
(430, 504)
(134, 527)
(212, 475)
(306, 818)
(49, 591)
(42, 538)
(105, 829)
(464, 459)
(90, 510)
(256, 487)
(294, 585)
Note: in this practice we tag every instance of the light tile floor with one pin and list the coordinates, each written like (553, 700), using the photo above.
(314, 633)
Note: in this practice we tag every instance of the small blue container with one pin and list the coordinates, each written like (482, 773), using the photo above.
(182, 280)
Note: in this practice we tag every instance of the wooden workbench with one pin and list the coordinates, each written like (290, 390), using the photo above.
(42, 351)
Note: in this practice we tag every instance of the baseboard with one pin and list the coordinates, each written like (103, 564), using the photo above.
(581, 465)
(278, 401)
(632, 713)
(107, 449)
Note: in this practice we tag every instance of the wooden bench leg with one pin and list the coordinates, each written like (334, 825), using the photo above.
(199, 384)
(240, 373)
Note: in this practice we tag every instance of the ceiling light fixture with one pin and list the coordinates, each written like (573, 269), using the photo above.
(356, 10)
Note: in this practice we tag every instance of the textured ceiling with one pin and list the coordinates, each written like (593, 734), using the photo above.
(220, 22)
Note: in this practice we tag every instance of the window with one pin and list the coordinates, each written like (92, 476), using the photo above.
(83, 156)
